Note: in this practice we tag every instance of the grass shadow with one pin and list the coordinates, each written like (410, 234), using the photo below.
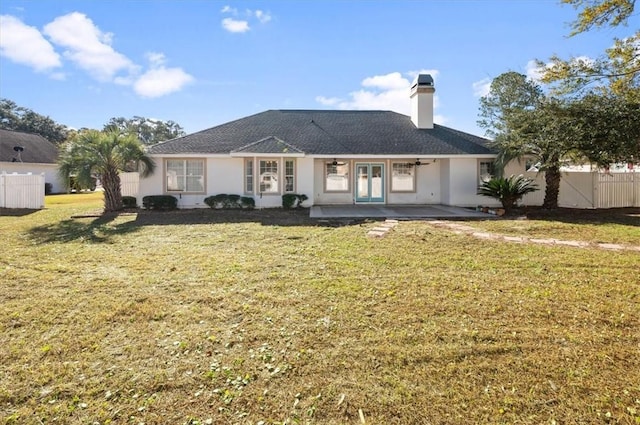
(623, 216)
(98, 230)
(265, 217)
(16, 212)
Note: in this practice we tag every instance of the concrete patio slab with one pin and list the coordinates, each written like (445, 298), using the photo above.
(394, 211)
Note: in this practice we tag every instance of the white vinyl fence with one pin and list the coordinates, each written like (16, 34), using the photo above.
(22, 191)
(591, 190)
(130, 184)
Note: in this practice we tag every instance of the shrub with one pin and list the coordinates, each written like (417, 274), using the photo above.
(247, 202)
(507, 190)
(160, 202)
(129, 202)
(230, 201)
(293, 200)
(48, 188)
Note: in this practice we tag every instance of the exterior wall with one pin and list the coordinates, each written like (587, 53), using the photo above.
(225, 175)
(463, 184)
(428, 187)
(445, 187)
(50, 172)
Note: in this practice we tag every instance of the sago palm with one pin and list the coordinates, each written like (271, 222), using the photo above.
(507, 190)
(104, 154)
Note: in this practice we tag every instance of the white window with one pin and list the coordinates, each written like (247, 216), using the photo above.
(403, 177)
(289, 175)
(269, 176)
(336, 176)
(485, 170)
(248, 176)
(185, 175)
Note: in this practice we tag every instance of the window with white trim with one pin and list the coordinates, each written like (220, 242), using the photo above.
(248, 176)
(485, 171)
(268, 176)
(289, 175)
(336, 177)
(185, 175)
(403, 177)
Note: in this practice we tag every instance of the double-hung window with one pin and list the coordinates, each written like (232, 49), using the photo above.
(336, 177)
(268, 177)
(289, 175)
(248, 176)
(185, 175)
(486, 172)
(403, 177)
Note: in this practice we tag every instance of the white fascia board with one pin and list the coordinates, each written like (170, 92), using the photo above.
(266, 155)
(414, 156)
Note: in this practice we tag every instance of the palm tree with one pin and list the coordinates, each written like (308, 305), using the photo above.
(507, 190)
(104, 154)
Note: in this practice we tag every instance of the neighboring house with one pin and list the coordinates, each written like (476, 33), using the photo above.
(29, 153)
(333, 157)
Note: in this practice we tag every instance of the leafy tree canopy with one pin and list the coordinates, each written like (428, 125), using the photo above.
(616, 71)
(19, 118)
(598, 13)
(104, 154)
(149, 131)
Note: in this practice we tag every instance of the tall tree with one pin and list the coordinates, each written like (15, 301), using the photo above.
(105, 154)
(148, 131)
(525, 123)
(14, 117)
(616, 71)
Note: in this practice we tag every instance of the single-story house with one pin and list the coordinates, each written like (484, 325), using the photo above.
(332, 157)
(24, 153)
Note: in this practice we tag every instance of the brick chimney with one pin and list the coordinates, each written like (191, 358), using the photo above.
(422, 101)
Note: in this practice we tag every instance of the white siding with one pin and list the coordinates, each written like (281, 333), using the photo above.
(130, 184)
(50, 172)
(22, 191)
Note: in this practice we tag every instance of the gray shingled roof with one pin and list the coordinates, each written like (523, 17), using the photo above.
(37, 149)
(326, 132)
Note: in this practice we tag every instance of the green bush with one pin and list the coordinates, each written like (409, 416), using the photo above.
(247, 202)
(129, 202)
(230, 201)
(293, 200)
(160, 202)
(507, 190)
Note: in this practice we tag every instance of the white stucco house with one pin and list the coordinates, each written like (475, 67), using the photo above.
(24, 153)
(331, 156)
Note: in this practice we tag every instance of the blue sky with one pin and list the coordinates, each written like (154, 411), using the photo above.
(202, 63)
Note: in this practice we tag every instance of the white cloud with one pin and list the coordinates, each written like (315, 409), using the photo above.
(262, 16)
(229, 9)
(25, 45)
(159, 80)
(235, 26)
(87, 46)
(242, 25)
(382, 92)
(481, 88)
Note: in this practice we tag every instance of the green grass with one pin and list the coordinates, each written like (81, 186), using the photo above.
(621, 226)
(236, 317)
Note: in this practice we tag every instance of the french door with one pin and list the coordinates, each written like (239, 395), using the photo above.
(369, 182)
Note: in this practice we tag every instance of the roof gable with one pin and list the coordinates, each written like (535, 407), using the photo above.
(37, 149)
(269, 145)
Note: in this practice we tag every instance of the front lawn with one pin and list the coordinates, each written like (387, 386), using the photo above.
(270, 317)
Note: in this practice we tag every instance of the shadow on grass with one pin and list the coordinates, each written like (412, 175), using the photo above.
(97, 231)
(266, 217)
(16, 212)
(624, 216)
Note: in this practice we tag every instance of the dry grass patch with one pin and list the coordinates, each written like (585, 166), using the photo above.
(204, 318)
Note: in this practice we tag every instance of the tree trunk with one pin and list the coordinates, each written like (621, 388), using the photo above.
(552, 181)
(112, 192)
